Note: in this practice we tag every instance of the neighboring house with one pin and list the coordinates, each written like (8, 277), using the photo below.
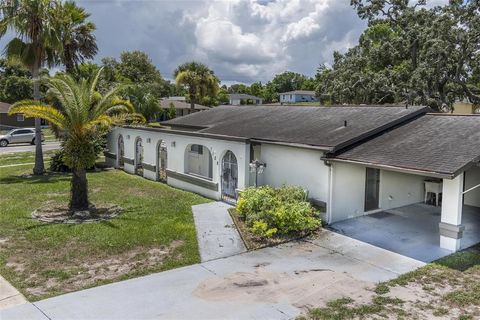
(465, 107)
(298, 96)
(177, 98)
(236, 99)
(352, 160)
(182, 108)
(13, 121)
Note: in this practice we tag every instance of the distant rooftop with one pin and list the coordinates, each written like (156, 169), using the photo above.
(243, 96)
(177, 98)
(4, 107)
(165, 104)
(325, 128)
(302, 92)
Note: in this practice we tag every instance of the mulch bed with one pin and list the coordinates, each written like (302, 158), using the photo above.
(253, 241)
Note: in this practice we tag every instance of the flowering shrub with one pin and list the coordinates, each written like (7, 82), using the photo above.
(271, 211)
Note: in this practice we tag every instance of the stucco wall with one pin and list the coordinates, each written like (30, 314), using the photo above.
(472, 178)
(400, 189)
(397, 189)
(295, 166)
(348, 191)
(176, 146)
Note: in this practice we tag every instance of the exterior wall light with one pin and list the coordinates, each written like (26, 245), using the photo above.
(173, 144)
(149, 140)
(128, 137)
(257, 167)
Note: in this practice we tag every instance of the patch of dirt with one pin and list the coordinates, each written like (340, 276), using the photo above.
(302, 288)
(62, 214)
(93, 269)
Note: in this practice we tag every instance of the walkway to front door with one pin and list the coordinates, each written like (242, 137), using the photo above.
(216, 233)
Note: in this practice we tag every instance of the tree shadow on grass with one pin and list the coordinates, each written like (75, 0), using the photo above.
(47, 178)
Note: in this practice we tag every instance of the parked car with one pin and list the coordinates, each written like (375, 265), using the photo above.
(23, 135)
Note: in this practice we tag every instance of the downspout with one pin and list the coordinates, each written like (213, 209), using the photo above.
(330, 191)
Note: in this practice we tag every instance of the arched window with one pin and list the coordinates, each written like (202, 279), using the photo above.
(120, 152)
(162, 161)
(138, 156)
(198, 161)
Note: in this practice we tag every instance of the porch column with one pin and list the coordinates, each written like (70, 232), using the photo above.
(451, 229)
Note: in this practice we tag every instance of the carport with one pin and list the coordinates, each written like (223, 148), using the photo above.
(412, 230)
(386, 177)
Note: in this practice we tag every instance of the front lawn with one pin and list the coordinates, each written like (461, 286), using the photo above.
(446, 289)
(155, 232)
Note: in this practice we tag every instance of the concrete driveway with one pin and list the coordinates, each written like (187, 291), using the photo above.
(271, 283)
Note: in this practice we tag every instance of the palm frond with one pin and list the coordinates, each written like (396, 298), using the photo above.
(33, 109)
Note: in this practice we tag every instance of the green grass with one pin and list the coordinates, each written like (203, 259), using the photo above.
(154, 233)
(22, 157)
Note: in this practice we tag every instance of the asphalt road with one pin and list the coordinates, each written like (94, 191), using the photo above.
(25, 147)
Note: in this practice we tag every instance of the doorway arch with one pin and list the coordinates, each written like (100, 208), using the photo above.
(120, 152)
(138, 156)
(162, 161)
(229, 178)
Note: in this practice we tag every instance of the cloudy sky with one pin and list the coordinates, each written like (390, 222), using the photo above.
(241, 40)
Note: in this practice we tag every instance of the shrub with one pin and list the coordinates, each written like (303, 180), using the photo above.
(56, 162)
(268, 211)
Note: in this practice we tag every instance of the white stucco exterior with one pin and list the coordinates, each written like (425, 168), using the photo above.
(296, 166)
(348, 190)
(176, 155)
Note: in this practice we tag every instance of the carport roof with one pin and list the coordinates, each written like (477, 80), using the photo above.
(324, 128)
(443, 145)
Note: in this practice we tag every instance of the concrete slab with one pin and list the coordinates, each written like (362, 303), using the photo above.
(23, 312)
(9, 296)
(410, 231)
(216, 232)
(270, 283)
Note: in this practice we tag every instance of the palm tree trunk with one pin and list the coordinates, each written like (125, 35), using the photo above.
(39, 167)
(79, 190)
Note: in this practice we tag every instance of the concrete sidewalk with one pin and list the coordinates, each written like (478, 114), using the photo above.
(271, 283)
(9, 296)
(216, 232)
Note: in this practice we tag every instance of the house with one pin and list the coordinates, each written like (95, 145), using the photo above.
(236, 99)
(354, 161)
(182, 107)
(13, 121)
(298, 96)
(464, 107)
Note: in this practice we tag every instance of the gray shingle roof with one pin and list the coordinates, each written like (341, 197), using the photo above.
(440, 144)
(243, 96)
(4, 107)
(304, 92)
(165, 104)
(321, 127)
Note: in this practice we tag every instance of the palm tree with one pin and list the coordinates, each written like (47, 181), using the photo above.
(82, 114)
(199, 80)
(76, 35)
(36, 43)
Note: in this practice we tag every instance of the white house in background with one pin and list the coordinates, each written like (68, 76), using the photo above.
(353, 161)
(236, 99)
(298, 96)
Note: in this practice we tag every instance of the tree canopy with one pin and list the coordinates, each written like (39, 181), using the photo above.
(409, 53)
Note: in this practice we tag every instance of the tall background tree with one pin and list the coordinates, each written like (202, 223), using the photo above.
(36, 43)
(409, 53)
(76, 35)
(200, 82)
(83, 114)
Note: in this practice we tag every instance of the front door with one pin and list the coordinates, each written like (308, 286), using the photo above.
(372, 189)
(229, 177)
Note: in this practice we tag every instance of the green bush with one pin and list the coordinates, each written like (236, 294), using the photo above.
(280, 211)
(56, 162)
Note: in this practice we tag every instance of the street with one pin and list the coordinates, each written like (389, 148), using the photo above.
(25, 147)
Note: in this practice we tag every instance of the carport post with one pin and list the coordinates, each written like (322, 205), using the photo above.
(451, 229)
